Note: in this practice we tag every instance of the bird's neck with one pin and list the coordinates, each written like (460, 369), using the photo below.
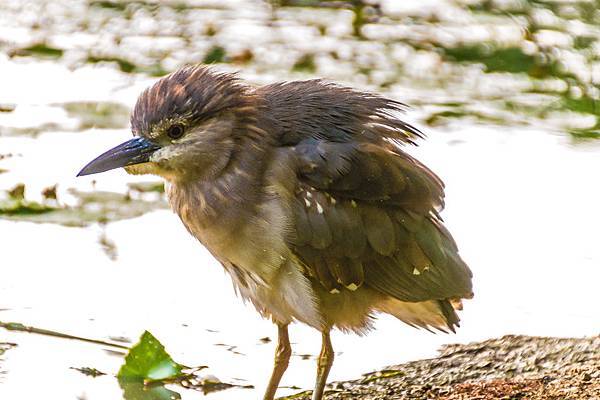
(223, 201)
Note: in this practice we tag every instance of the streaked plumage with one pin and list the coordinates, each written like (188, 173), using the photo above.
(302, 191)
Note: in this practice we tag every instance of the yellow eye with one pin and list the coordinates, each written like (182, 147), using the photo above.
(175, 131)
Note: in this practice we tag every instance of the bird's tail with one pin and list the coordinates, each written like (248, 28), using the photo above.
(436, 314)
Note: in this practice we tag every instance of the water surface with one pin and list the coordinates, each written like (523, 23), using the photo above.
(506, 95)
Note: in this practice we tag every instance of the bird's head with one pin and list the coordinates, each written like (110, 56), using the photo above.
(184, 126)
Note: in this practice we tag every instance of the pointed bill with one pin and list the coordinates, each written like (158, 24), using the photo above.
(135, 151)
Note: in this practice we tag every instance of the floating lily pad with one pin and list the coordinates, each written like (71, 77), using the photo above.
(510, 59)
(113, 5)
(99, 206)
(148, 361)
(21, 208)
(215, 55)
(444, 117)
(305, 63)
(581, 134)
(41, 50)
(128, 66)
(148, 364)
(92, 207)
(124, 65)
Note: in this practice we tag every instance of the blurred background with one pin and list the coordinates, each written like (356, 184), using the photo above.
(506, 90)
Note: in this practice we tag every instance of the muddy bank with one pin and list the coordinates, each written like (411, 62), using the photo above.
(511, 367)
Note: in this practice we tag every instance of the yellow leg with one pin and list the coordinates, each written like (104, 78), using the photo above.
(323, 366)
(282, 359)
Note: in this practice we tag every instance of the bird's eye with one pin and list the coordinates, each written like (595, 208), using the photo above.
(175, 131)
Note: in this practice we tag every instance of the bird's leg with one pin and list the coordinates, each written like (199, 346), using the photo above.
(282, 358)
(323, 366)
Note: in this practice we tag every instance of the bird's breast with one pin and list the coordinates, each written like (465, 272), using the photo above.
(250, 236)
(251, 246)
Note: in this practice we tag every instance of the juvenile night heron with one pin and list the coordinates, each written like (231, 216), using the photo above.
(302, 192)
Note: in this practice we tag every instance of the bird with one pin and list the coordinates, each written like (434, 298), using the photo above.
(305, 194)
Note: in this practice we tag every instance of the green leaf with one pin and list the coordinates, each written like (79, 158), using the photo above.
(216, 54)
(148, 360)
(41, 50)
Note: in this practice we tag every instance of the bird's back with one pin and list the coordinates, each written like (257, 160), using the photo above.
(315, 108)
(365, 220)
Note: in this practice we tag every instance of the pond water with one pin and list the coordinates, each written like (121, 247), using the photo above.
(506, 92)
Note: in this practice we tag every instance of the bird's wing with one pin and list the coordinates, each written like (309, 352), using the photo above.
(320, 110)
(366, 214)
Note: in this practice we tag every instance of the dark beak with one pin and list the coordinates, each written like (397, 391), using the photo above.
(134, 151)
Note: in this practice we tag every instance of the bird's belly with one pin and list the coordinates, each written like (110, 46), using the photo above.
(253, 250)
(287, 297)
(261, 268)
(252, 242)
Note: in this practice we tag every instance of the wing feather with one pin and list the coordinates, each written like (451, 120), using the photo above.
(379, 229)
(385, 236)
(366, 212)
(321, 237)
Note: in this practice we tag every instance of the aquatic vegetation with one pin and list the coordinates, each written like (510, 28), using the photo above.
(148, 366)
(305, 63)
(215, 54)
(148, 361)
(91, 207)
(41, 50)
(472, 52)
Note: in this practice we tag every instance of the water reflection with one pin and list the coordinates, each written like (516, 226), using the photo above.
(139, 391)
